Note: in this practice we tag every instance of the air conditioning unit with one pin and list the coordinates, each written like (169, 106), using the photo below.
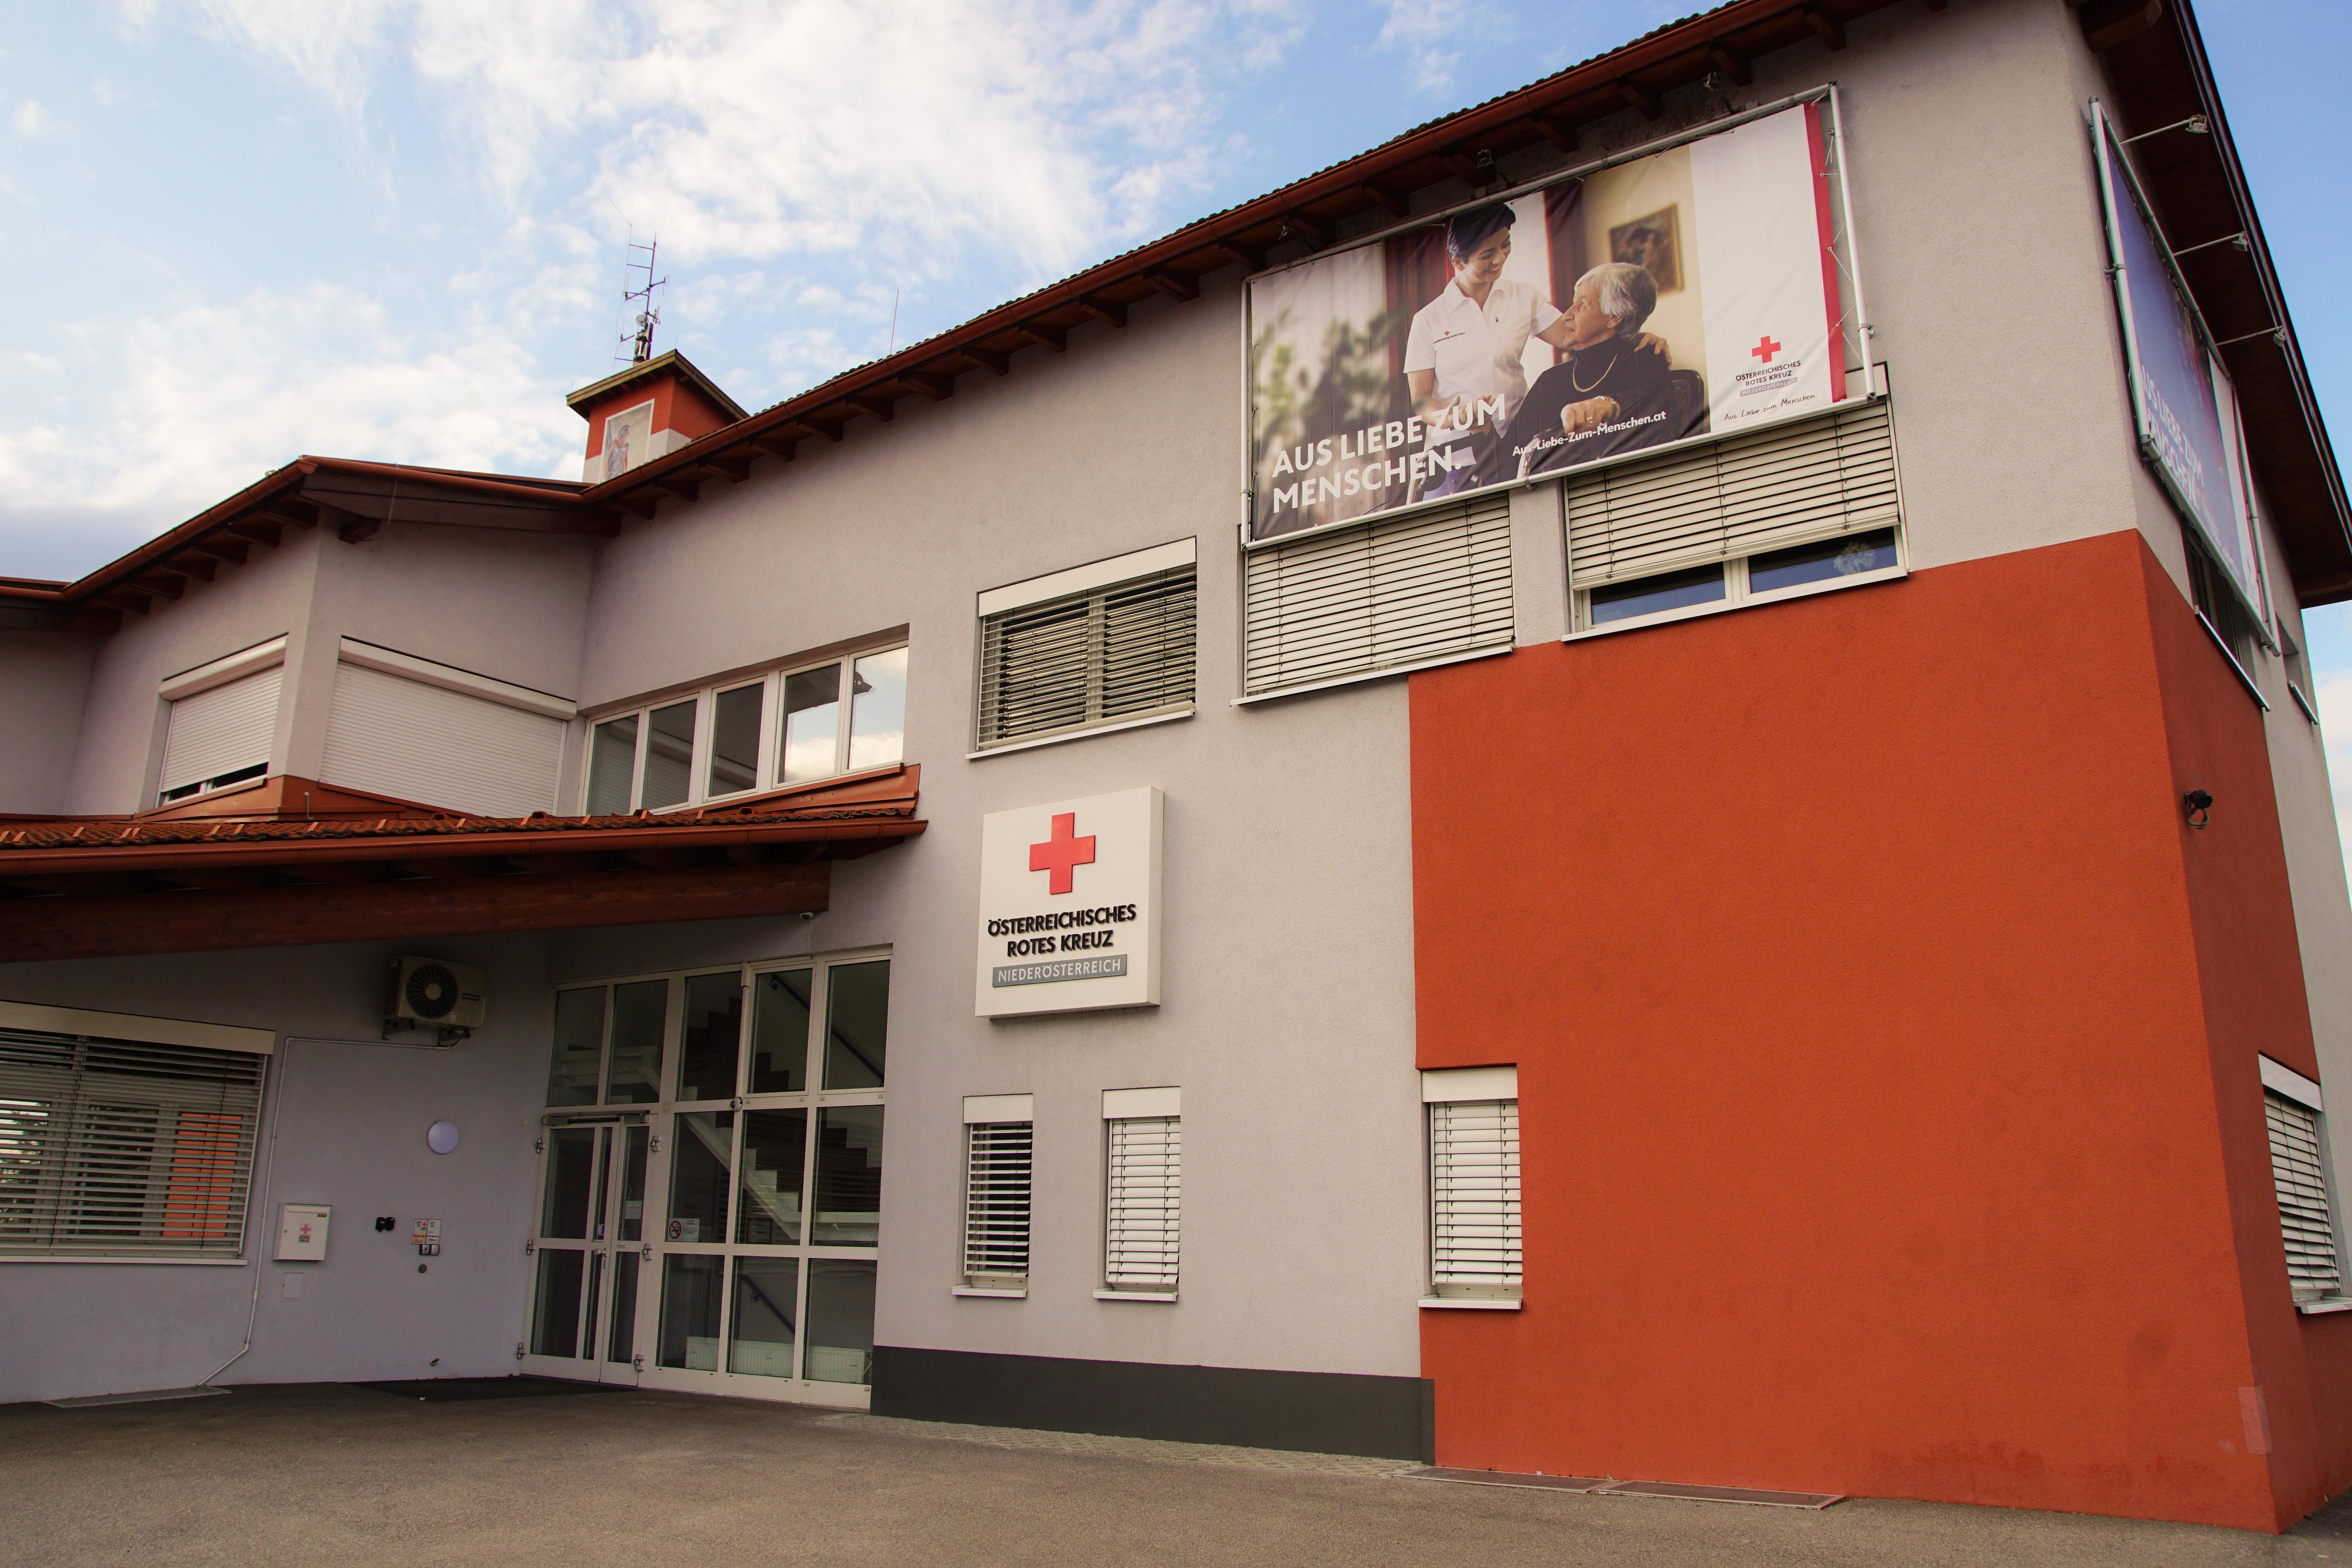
(428, 993)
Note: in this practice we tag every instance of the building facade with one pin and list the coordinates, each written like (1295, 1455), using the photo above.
(1798, 945)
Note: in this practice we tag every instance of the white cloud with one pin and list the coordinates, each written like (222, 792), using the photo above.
(893, 136)
(30, 119)
(205, 400)
(1421, 30)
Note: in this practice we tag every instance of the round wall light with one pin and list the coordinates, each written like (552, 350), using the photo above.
(442, 1137)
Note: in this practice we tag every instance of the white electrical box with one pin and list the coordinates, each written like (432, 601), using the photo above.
(302, 1233)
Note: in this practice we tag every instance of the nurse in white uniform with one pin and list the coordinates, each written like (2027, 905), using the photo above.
(1465, 346)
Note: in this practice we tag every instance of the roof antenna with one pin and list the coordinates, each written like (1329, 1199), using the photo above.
(641, 346)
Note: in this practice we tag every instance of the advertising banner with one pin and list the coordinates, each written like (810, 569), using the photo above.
(1689, 292)
(2186, 410)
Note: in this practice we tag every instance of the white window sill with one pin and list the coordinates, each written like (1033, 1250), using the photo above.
(993, 1295)
(1135, 1295)
(1473, 1303)
(2325, 1305)
(167, 1262)
(2304, 703)
(1085, 734)
(1746, 601)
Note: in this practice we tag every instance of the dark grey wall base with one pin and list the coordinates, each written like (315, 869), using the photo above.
(1310, 1412)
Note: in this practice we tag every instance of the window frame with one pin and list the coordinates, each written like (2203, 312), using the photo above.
(152, 1033)
(1089, 585)
(1468, 1086)
(1119, 1105)
(995, 1112)
(2282, 1082)
(769, 774)
(1738, 594)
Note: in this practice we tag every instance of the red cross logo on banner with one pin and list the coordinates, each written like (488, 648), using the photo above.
(1765, 348)
(1062, 853)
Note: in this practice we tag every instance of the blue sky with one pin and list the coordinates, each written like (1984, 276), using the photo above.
(242, 229)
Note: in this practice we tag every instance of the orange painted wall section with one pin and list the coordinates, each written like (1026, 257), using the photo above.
(1862, 978)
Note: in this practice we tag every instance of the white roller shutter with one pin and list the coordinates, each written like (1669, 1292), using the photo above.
(1380, 596)
(1145, 1171)
(114, 1148)
(1787, 485)
(390, 735)
(221, 730)
(1474, 1197)
(996, 1204)
(2301, 1180)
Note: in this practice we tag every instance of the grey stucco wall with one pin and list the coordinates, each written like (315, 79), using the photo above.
(44, 686)
(344, 1123)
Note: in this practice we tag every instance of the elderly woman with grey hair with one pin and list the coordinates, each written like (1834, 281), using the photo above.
(1608, 396)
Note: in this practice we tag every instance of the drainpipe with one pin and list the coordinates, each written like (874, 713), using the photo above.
(269, 1168)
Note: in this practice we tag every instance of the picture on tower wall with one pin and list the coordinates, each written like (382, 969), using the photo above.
(1688, 292)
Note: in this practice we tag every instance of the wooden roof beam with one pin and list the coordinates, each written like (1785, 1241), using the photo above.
(189, 564)
(989, 359)
(1826, 28)
(937, 385)
(222, 547)
(1175, 284)
(885, 409)
(733, 468)
(1108, 312)
(1641, 97)
(160, 585)
(1249, 255)
(1314, 231)
(256, 530)
(783, 448)
(1731, 63)
(1387, 200)
(1055, 338)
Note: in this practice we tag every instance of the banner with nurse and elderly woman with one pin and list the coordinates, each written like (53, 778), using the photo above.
(1688, 292)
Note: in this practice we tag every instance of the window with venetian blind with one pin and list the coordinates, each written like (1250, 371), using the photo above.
(124, 1137)
(2291, 1106)
(1096, 646)
(1790, 507)
(1365, 599)
(1473, 1186)
(998, 1140)
(1143, 1159)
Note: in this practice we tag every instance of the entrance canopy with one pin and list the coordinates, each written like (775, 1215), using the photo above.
(289, 861)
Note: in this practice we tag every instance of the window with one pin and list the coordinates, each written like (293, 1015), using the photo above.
(125, 1137)
(416, 730)
(1473, 1187)
(764, 1085)
(220, 733)
(2298, 674)
(1143, 1181)
(997, 1136)
(1853, 557)
(2299, 1171)
(1785, 511)
(787, 727)
(2224, 614)
(1342, 603)
(1103, 645)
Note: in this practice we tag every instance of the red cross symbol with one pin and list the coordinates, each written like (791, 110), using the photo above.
(1063, 853)
(1765, 348)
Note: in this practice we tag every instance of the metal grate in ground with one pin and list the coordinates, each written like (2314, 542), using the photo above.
(1122, 1448)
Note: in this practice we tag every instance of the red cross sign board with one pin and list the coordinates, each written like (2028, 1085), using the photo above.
(1069, 906)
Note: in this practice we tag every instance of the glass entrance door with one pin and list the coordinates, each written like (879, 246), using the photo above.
(589, 1255)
